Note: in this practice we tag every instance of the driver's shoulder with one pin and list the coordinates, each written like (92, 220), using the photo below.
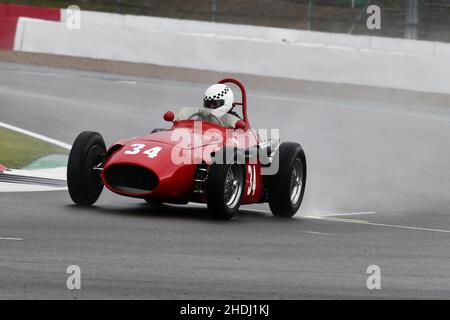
(230, 119)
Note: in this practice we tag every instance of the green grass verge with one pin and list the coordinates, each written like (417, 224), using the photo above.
(18, 150)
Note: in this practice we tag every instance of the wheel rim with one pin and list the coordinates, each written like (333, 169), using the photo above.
(296, 181)
(95, 157)
(233, 186)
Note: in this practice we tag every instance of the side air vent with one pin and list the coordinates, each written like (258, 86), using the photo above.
(131, 179)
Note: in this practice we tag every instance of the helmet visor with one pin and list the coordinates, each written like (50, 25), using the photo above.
(213, 104)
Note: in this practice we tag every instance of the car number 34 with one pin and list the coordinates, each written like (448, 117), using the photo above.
(138, 147)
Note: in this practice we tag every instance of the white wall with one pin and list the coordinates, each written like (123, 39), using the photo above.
(340, 58)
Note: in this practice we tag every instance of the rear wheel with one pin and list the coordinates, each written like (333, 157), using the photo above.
(224, 190)
(83, 179)
(287, 186)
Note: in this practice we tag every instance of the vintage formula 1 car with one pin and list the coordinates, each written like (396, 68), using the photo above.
(193, 161)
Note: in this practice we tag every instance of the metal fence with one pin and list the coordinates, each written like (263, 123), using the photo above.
(416, 19)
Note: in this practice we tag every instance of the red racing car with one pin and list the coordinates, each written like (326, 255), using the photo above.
(199, 159)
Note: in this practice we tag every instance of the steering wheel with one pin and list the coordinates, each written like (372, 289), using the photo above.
(219, 121)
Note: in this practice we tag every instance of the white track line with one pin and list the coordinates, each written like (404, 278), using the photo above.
(127, 81)
(345, 214)
(11, 239)
(307, 217)
(315, 216)
(11, 187)
(19, 187)
(316, 232)
(36, 135)
(337, 219)
(379, 224)
(331, 218)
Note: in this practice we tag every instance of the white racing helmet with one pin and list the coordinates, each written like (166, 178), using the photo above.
(219, 98)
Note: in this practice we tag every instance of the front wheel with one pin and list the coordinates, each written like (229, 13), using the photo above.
(287, 186)
(83, 178)
(224, 190)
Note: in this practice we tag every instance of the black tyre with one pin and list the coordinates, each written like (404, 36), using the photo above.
(85, 184)
(224, 189)
(287, 186)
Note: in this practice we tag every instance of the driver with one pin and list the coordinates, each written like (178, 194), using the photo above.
(218, 104)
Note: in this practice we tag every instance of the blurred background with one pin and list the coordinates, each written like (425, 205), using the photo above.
(411, 19)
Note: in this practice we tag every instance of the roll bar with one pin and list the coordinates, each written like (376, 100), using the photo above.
(243, 103)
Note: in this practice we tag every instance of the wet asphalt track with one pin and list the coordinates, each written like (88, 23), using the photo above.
(363, 156)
